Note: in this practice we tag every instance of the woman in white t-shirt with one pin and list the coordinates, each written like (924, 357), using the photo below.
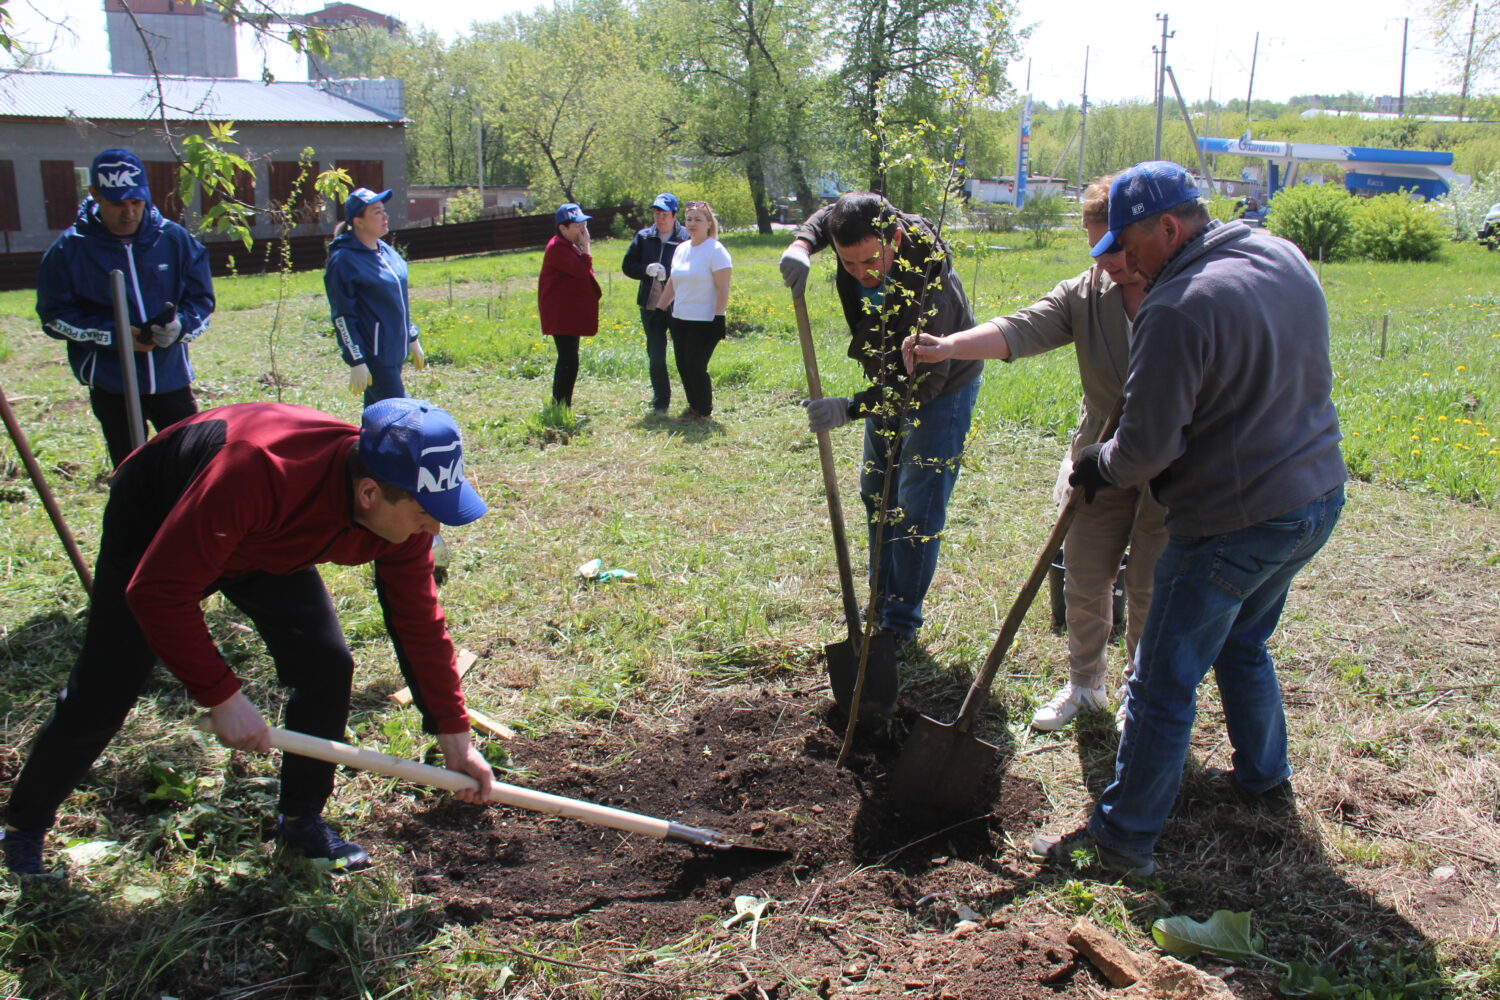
(697, 294)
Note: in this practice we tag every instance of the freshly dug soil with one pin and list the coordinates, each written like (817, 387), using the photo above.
(868, 902)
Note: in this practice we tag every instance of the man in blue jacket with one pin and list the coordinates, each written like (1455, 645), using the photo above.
(168, 288)
(649, 261)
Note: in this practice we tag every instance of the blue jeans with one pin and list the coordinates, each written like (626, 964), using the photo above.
(924, 451)
(1217, 600)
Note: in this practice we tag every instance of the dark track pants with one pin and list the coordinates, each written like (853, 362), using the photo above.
(159, 409)
(293, 614)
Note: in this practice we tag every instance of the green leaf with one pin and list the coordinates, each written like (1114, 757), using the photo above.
(1303, 980)
(1226, 934)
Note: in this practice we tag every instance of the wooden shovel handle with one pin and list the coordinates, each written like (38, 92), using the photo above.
(980, 689)
(830, 478)
(335, 752)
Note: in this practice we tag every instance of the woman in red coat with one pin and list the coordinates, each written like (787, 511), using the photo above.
(568, 296)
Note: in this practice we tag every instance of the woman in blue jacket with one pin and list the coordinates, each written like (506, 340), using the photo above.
(367, 295)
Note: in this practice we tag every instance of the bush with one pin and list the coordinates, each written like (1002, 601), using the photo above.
(1041, 217)
(1392, 227)
(463, 206)
(1465, 208)
(1318, 218)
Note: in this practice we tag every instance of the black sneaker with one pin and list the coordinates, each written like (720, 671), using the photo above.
(312, 837)
(1055, 848)
(1278, 800)
(23, 850)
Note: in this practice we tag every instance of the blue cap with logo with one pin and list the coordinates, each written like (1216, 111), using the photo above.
(666, 201)
(568, 212)
(361, 199)
(1140, 192)
(414, 446)
(119, 175)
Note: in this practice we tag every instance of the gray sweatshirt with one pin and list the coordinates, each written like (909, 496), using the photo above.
(1227, 401)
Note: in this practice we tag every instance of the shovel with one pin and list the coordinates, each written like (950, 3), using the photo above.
(942, 766)
(334, 752)
(877, 694)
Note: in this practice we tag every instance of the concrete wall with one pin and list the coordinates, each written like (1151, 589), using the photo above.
(28, 143)
(197, 42)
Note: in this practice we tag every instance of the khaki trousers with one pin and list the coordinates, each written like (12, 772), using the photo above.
(1117, 520)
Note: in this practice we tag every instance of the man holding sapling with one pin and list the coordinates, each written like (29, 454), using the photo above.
(247, 500)
(1228, 416)
(895, 278)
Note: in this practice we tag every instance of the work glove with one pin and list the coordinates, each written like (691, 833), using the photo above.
(794, 267)
(827, 413)
(655, 271)
(359, 377)
(719, 328)
(166, 334)
(415, 352)
(1087, 473)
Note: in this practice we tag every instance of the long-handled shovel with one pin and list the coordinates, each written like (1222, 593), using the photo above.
(125, 346)
(512, 795)
(942, 766)
(18, 438)
(881, 680)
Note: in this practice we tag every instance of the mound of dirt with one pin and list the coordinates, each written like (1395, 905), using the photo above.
(866, 900)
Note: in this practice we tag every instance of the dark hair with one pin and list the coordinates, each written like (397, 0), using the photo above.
(358, 470)
(858, 215)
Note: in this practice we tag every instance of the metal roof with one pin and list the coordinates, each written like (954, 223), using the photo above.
(188, 98)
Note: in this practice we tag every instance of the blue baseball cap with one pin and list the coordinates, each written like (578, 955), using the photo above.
(568, 212)
(119, 175)
(1140, 192)
(361, 199)
(666, 201)
(414, 446)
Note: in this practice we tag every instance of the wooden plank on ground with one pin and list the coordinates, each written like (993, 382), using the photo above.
(477, 719)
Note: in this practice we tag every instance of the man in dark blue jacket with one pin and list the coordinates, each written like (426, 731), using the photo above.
(649, 261)
(169, 293)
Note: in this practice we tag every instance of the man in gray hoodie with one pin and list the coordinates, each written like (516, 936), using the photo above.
(1228, 415)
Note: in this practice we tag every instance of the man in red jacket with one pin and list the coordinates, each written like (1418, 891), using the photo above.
(247, 500)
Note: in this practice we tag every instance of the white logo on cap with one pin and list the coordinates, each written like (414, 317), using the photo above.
(117, 175)
(1137, 209)
(442, 478)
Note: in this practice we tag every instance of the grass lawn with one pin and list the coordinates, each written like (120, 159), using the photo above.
(1386, 654)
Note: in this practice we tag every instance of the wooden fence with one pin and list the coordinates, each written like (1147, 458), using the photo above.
(525, 232)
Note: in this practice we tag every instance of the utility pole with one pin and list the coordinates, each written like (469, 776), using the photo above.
(479, 150)
(1463, 97)
(1083, 121)
(1251, 89)
(1401, 97)
(1161, 80)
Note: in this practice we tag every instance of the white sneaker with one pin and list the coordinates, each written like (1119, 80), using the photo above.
(1067, 703)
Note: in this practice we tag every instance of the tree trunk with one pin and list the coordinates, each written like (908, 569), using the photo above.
(806, 199)
(755, 174)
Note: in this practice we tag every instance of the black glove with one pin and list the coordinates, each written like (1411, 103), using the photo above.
(718, 328)
(163, 319)
(1087, 472)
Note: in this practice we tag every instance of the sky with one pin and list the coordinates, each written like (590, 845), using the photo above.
(1317, 47)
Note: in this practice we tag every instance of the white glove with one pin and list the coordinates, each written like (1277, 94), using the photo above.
(827, 413)
(794, 267)
(418, 358)
(359, 377)
(655, 271)
(166, 336)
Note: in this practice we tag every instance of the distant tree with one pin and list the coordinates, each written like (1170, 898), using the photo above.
(1451, 22)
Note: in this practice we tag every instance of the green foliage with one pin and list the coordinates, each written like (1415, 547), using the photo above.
(1392, 227)
(1319, 218)
(464, 206)
(1465, 208)
(207, 164)
(1041, 217)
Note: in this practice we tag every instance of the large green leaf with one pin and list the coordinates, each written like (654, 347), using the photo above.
(1226, 934)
